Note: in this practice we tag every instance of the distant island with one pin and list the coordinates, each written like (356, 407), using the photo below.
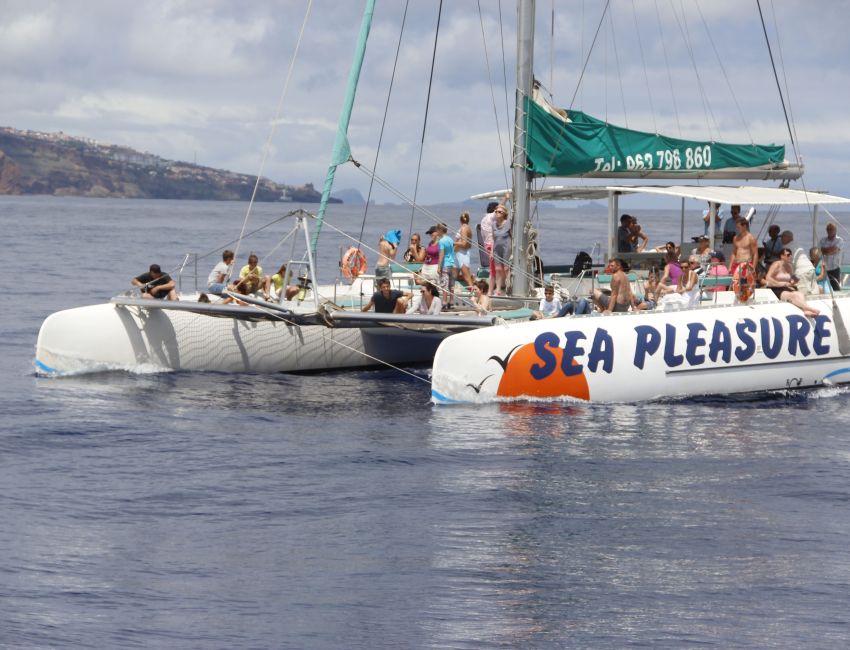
(33, 162)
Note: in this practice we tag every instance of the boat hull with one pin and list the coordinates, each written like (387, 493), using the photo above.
(647, 355)
(114, 337)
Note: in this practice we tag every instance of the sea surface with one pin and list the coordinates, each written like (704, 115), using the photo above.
(343, 510)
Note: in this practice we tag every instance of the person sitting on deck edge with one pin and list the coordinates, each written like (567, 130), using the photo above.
(386, 300)
(155, 284)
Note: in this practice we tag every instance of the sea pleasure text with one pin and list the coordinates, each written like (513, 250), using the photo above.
(720, 342)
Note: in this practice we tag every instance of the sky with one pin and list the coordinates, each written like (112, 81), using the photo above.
(202, 80)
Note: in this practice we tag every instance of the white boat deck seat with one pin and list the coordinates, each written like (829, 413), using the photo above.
(405, 267)
(764, 295)
(713, 288)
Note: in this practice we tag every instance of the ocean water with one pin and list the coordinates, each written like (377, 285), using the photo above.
(342, 510)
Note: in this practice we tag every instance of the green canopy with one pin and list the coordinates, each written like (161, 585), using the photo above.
(584, 145)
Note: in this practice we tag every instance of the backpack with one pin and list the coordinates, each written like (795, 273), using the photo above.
(582, 262)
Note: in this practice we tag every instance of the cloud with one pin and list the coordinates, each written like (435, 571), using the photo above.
(202, 77)
(192, 39)
(25, 35)
(148, 110)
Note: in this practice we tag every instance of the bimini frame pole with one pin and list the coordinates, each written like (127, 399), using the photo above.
(342, 151)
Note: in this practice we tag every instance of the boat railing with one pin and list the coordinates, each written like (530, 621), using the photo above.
(181, 269)
(711, 286)
(567, 282)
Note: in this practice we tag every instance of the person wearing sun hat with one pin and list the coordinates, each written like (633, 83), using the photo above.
(717, 268)
(702, 251)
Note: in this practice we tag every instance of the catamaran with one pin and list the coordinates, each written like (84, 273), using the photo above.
(720, 346)
(320, 328)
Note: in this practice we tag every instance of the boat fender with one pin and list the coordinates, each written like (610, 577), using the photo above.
(353, 263)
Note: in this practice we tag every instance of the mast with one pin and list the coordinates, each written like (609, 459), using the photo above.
(520, 269)
(342, 151)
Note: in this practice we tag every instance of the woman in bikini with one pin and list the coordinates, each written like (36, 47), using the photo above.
(782, 281)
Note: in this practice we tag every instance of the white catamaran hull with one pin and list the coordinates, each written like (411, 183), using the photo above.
(647, 355)
(116, 337)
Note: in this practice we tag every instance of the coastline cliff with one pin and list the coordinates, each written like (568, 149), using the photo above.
(33, 162)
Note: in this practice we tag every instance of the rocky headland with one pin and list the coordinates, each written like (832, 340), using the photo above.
(33, 162)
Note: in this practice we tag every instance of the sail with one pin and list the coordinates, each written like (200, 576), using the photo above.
(562, 143)
(342, 151)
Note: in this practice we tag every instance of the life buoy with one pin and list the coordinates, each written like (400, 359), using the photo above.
(353, 263)
(744, 281)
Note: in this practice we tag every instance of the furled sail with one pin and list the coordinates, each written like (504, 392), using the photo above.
(572, 143)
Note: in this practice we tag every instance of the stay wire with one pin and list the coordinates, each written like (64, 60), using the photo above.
(427, 106)
(589, 52)
(619, 71)
(248, 234)
(645, 73)
(794, 140)
(667, 65)
(776, 77)
(277, 315)
(706, 104)
(725, 76)
(563, 122)
(363, 245)
(552, 45)
(782, 101)
(384, 120)
(492, 96)
(433, 216)
(504, 71)
(278, 110)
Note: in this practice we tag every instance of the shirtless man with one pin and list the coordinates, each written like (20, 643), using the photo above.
(621, 298)
(387, 249)
(742, 263)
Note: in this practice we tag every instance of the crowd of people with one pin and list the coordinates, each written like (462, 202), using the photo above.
(444, 260)
(773, 265)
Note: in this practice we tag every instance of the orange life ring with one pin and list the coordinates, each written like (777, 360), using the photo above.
(353, 263)
(744, 281)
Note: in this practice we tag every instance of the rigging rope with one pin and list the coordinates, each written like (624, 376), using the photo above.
(589, 52)
(552, 45)
(667, 65)
(384, 120)
(277, 315)
(504, 70)
(493, 97)
(361, 244)
(427, 106)
(725, 76)
(645, 73)
(797, 152)
(267, 147)
(619, 71)
(784, 110)
(791, 131)
(706, 104)
(434, 217)
(253, 232)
